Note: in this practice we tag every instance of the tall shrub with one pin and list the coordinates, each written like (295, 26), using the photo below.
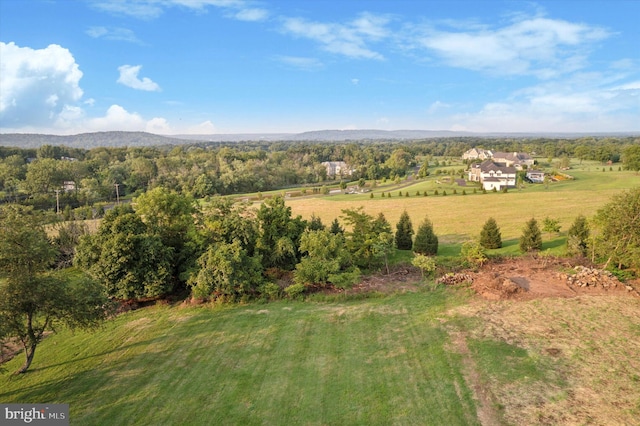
(426, 240)
(404, 232)
(578, 237)
(531, 238)
(490, 237)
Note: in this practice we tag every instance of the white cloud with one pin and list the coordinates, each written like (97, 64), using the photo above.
(129, 78)
(536, 46)
(252, 14)
(355, 81)
(159, 126)
(151, 9)
(113, 33)
(36, 85)
(350, 39)
(117, 118)
(140, 9)
(633, 85)
(204, 128)
(437, 106)
(581, 103)
(301, 62)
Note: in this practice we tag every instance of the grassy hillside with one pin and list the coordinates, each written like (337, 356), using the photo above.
(427, 358)
(379, 361)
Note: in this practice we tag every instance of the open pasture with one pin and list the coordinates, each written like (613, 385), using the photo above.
(458, 217)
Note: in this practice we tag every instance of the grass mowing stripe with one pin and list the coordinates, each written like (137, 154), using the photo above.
(373, 361)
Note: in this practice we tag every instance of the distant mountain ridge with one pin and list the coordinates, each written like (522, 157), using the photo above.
(122, 138)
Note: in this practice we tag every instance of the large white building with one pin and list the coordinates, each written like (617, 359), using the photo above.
(336, 168)
(493, 175)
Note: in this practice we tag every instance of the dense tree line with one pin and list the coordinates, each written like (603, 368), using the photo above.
(82, 177)
(231, 251)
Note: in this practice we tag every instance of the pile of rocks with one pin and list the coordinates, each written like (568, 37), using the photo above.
(590, 277)
(453, 279)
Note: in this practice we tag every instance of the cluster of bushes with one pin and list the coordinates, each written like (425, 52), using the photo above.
(231, 252)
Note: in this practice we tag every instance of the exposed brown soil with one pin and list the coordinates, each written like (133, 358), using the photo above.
(535, 277)
(400, 278)
(9, 350)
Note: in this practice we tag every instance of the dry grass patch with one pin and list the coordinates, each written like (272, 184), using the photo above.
(465, 215)
(585, 348)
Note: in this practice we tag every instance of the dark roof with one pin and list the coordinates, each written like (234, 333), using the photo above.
(512, 156)
(488, 165)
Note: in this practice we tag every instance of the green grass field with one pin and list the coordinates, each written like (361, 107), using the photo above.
(460, 217)
(374, 361)
(423, 358)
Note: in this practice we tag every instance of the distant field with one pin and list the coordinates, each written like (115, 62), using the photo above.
(457, 217)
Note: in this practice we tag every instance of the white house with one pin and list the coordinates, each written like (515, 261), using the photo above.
(493, 175)
(477, 154)
(336, 168)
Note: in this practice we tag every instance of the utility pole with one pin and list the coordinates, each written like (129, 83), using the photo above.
(117, 185)
(57, 201)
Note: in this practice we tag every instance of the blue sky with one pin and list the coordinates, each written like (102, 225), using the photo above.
(240, 66)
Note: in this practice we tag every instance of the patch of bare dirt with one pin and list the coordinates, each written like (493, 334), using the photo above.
(534, 277)
(9, 350)
(401, 278)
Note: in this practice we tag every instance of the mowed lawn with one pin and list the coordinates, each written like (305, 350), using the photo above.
(373, 361)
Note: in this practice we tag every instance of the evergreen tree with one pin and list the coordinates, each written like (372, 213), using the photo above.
(336, 228)
(531, 238)
(426, 241)
(578, 237)
(404, 232)
(490, 237)
(315, 224)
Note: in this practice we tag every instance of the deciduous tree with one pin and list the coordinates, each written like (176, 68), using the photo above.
(550, 226)
(172, 217)
(32, 298)
(325, 259)
(618, 226)
(631, 158)
(227, 272)
(129, 261)
(279, 234)
(363, 239)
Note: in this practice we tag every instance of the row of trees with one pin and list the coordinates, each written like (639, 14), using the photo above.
(531, 238)
(32, 176)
